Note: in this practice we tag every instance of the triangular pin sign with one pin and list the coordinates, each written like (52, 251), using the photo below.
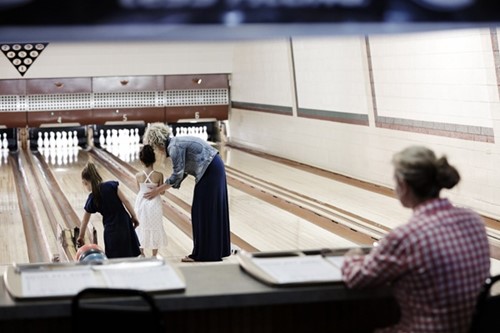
(22, 55)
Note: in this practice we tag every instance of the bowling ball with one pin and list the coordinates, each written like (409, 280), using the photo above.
(94, 257)
(90, 253)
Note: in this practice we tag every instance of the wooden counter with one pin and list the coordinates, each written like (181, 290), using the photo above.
(223, 298)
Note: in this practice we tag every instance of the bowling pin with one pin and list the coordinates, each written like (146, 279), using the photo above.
(76, 141)
(108, 137)
(204, 133)
(5, 142)
(52, 139)
(102, 139)
(46, 139)
(137, 138)
(70, 139)
(40, 141)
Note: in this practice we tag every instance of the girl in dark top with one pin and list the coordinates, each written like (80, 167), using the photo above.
(118, 215)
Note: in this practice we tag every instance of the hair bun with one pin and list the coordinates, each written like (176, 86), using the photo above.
(446, 175)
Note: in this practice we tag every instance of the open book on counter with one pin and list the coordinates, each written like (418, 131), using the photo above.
(67, 279)
(288, 268)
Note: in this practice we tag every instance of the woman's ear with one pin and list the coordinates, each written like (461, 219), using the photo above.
(401, 189)
(405, 194)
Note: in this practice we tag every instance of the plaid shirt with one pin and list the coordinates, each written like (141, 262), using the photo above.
(436, 264)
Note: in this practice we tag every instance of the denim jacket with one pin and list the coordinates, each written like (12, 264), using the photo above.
(190, 156)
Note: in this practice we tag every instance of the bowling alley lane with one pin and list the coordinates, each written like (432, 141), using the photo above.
(381, 209)
(12, 237)
(263, 225)
(69, 179)
(360, 202)
(365, 204)
(259, 223)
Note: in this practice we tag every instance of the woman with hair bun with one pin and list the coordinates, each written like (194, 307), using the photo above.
(438, 261)
(118, 215)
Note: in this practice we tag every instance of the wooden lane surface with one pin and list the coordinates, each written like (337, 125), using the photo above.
(492, 224)
(264, 226)
(286, 230)
(45, 212)
(175, 209)
(67, 220)
(37, 210)
(383, 210)
(359, 202)
(175, 222)
(70, 180)
(245, 223)
(355, 231)
(254, 223)
(48, 192)
(13, 245)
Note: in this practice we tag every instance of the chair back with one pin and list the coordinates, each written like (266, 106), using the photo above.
(486, 318)
(115, 310)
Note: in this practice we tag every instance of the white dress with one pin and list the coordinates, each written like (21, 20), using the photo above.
(150, 215)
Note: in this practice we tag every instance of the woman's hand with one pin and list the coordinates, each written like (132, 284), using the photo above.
(80, 241)
(135, 222)
(151, 194)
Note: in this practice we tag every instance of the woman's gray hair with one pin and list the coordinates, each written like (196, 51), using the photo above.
(425, 173)
(156, 134)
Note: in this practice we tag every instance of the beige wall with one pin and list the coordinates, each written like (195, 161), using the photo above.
(437, 89)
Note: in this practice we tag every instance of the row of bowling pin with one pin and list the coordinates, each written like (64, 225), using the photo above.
(58, 139)
(122, 136)
(199, 131)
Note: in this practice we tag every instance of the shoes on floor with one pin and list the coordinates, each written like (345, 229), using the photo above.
(187, 259)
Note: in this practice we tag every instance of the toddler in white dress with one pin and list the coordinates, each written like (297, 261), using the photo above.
(149, 212)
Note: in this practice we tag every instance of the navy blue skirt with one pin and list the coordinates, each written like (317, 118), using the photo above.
(210, 215)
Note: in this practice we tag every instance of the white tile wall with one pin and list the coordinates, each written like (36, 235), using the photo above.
(332, 74)
(443, 76)
(263, 74)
